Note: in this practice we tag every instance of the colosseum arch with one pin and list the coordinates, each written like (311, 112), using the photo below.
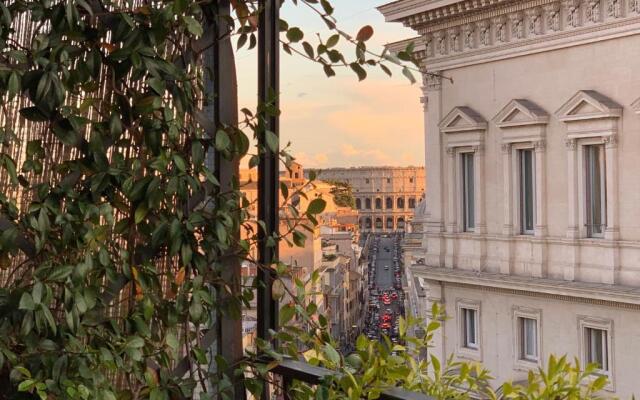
(390, 223)
(412, 202)
(378, 204)
(400, 202)
(358, 204)
(401, 223)
(389, 203)
(378, 223)
(367, 204)
(367, 223)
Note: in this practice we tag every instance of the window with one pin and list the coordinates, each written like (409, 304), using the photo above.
(528, 332)
(468, 190)
(527, 338)
(389, 202)
(597, 348)
(367, 204)
(378, 223)
(366, 180)
(412, 202)
(378, 204)
(469, 328)
(596, 344)
(389, 223)
(527, 193)
(410, 180)
(595, 184)
(388, 180)
(400, 202)
(358, 204)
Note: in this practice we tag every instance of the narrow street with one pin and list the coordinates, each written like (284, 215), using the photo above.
(386, 298)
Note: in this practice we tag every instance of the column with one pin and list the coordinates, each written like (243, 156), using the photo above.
(611, 161)
(573, 250)
(481, 226)
(540, 228)
(572, 189)
(507, 176)
(434, 160)
(540, 187)
(506, 264)
(452, 198)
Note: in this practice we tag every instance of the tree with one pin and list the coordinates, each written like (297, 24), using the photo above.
(342, 194)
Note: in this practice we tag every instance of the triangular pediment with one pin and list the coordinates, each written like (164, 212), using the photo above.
(462, 119)
(519, 112)
(588, 104)
(635, 106)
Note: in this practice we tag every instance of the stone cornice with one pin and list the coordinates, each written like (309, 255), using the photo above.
(617, 295)
(492, 30)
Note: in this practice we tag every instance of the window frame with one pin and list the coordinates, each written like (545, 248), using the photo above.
(603, 324)
(521, 360)
(587, 185)
(468, 224)
(473, 352)
(521, 204)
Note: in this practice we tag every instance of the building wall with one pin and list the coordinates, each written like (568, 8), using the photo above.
(559, 333)
(569, 64)
(402, 186)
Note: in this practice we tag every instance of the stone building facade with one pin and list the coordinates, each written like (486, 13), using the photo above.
(385, 196)
(530, 235)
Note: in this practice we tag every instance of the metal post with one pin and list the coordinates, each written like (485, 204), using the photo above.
(268, 175)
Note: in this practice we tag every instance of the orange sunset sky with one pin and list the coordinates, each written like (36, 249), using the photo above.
(338, 121)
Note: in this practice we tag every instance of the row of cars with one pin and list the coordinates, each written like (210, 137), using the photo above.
(386, 301)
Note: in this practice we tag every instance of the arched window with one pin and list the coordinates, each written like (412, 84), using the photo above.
(358, 204)
(400, 202)
(389, 223)
(389, 204)
(378, 204)
(401, 223)
(367, 204)
(367, 223)
(378, 223)
(412, 202)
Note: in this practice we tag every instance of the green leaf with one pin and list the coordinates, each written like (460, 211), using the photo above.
(286, 314)
(407, 73)
(316, 206)
(222, 140)
(332, 41)
(272, 141)
(60, 273)
(194, 27)
(10, 166)
(331, 354)
(294, 34)
(357, 68)
(26, 385)
(26, 302)
(135, 342)
(141, 213)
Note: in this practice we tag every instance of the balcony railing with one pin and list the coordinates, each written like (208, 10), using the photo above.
(291, 370)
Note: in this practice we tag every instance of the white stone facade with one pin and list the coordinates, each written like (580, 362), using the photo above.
(556, 80)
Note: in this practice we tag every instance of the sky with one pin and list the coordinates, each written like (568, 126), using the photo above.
(338, 121)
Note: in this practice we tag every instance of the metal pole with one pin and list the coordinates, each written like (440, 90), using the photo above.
(268, 174)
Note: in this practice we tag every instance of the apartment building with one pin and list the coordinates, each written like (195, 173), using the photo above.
(385, 197)
(530, 234)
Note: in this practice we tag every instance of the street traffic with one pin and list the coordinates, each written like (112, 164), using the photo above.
(386, 297)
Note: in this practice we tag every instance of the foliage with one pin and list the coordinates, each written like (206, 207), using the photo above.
(379, 365)
(342, 194)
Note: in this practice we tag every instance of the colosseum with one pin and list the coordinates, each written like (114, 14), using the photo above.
(385, 196)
